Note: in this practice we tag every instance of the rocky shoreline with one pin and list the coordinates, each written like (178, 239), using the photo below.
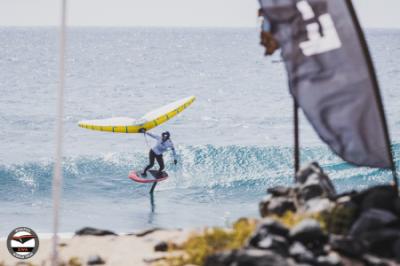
(310, 224)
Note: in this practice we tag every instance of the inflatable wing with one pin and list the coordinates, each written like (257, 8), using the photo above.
(148, 121)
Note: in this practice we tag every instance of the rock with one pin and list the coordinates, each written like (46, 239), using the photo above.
(344, 199)
(221, 259)
(246, 257)
(368, 224)
(304, 173)
(90, 231)
(332, 259)
(280, 205)
(381, 242)
(309, 233)
(147, 232)
(95, 260)
(396, 206)
(276, 205)
(279, 191)
(314, 183)
(396, 250)
(346, 261)
(270, 234)
(372, 219)
(371, 260)
(266, 227)
(259, 258)
(274, 243)
(378, 197)
(301, 254)
(347, 246)
(161, 246)
(310, 190)
(317, 205)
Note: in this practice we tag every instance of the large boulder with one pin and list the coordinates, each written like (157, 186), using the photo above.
(381, 242)
(371, 220)
(313, 182)
(383, 197)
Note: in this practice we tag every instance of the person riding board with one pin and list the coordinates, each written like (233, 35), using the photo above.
(156, 153)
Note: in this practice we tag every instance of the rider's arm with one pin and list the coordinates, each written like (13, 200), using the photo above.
(152, 135)
(173, 149)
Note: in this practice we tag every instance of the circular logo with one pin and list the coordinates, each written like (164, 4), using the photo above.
(22, 243)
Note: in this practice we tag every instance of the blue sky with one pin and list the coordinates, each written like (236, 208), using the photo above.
(192, 13)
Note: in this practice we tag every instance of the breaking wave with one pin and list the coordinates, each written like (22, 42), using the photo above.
(206, 168)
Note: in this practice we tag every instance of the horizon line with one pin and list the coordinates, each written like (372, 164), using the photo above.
(166, 27)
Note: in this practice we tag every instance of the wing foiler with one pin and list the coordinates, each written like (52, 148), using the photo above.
(148, 121)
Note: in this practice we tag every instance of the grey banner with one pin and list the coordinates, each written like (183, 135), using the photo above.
(331, 77)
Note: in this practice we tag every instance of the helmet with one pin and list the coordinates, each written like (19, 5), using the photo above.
(165, 135)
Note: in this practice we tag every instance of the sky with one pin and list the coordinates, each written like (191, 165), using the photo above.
(179, 13)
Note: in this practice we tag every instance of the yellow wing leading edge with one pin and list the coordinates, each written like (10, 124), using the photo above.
(148, 121)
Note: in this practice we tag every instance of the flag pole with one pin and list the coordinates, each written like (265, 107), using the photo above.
(296, 137)
(58, 177)
(377, 93)
(395, 177)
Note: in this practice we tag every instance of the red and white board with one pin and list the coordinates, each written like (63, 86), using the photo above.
(152, 177)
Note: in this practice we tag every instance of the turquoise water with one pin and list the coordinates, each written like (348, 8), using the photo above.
(233, 143)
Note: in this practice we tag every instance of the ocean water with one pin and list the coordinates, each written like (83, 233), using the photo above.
(233, 143)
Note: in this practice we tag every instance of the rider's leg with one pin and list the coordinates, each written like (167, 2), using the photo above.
(152, 156)
(160, 162)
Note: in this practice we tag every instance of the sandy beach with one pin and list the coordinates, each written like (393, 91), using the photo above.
(114, 250)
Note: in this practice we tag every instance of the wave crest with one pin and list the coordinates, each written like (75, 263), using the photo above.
(207, 167)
